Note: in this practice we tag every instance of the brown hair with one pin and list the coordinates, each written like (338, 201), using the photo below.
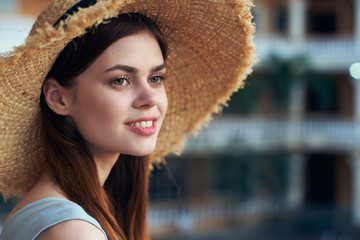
(120, 205)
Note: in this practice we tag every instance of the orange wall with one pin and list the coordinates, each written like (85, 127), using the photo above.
(32, 7)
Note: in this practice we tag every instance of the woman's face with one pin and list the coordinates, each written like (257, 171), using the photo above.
(119, 102)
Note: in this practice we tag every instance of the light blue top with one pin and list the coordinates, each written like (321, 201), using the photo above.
(34, 218)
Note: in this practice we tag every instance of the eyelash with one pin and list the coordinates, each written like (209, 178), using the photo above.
(162, 77)
(125, 78)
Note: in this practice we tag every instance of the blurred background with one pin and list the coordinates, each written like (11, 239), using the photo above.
(282, 161)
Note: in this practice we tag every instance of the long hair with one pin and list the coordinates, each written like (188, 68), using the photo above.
(120, 205)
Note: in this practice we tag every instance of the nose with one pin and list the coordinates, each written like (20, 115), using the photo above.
(145, 96)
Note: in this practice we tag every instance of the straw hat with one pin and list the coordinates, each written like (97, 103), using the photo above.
(210, 54)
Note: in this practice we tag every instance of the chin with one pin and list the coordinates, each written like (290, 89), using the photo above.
(142, 152)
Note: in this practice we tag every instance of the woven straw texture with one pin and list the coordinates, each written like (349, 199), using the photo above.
(210, 54)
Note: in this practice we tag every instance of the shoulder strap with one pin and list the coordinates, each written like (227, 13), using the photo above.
(34, 218)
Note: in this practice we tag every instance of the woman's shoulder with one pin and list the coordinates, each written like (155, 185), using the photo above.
(73, 229)
(45, 210)
(52, 217)
(44, 188)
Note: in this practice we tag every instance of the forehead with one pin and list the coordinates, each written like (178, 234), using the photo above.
(137, 50)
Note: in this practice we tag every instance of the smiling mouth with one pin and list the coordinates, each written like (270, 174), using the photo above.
(143, 124)
(144, 128)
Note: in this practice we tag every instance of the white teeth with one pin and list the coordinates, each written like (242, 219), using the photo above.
(143, 124)
(149, 124)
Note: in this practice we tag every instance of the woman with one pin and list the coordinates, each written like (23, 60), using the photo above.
(80, 159)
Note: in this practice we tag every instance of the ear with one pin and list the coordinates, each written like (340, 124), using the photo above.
(56, 97)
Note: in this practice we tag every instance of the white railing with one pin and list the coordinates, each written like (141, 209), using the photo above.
(187, 219)
(330, 47)
(258, 133)
(332, 53)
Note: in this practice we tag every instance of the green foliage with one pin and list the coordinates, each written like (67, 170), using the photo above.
(277, 75)
(282, 75)
(321, 93)
(245, 100)
(251, 175)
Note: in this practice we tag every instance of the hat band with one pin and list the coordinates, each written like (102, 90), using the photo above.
(75, 8)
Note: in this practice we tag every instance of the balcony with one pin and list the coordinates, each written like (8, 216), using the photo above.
(258, 134)
(330, 53)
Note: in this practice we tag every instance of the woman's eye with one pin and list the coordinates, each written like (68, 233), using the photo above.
(121, 81)
(158, 79)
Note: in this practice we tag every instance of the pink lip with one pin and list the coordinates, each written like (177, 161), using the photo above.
(143, 131)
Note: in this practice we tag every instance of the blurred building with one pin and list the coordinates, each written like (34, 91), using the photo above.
(289, 142)
(16, 19)
(286, 145)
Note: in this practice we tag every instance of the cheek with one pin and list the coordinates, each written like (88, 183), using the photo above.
(110, 109)
(100, 121)
(96, 109)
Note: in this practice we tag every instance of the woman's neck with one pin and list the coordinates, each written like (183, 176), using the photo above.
(104, 165)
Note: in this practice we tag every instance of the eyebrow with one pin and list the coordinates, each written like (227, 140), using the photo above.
(130, 69)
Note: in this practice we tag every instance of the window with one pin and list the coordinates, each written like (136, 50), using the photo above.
(323, 23)
(280, 19)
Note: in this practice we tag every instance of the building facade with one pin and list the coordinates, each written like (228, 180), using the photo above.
(16, 19)
(289, 141)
